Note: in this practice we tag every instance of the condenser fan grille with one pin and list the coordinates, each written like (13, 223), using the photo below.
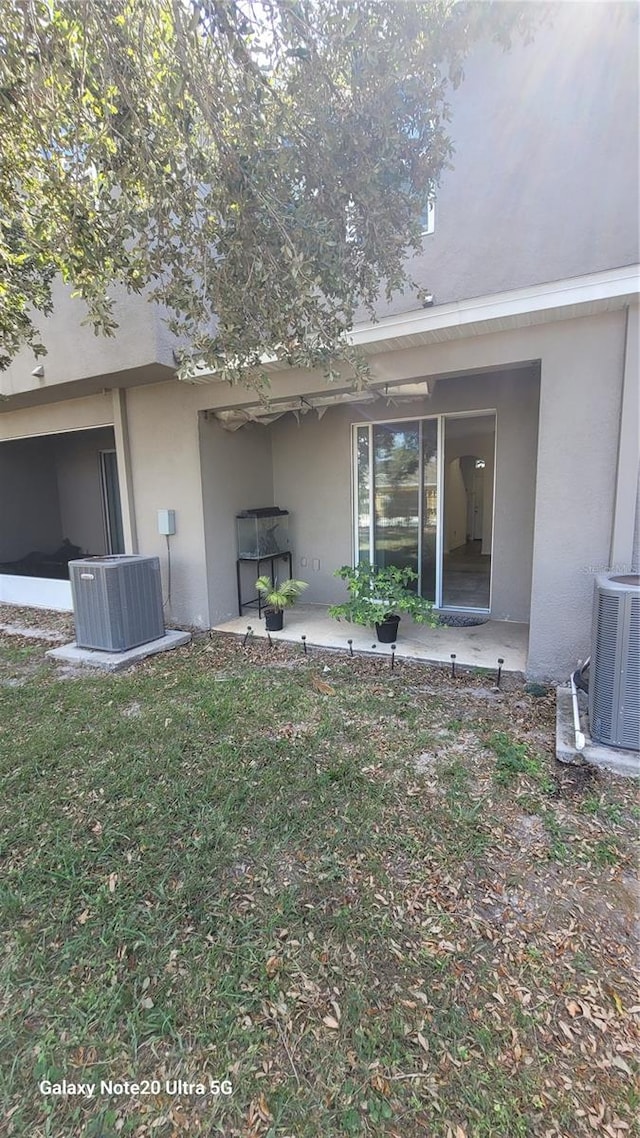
(614, 687)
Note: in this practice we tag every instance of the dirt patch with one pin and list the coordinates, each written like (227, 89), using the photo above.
(529, 831)
(27, 633)
(426, 762)
(30, 622)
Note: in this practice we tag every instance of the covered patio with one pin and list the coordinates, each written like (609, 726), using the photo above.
(62, 502)
(478, 646)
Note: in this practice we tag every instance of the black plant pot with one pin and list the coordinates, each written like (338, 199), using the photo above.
(387, 630)
(274, 620)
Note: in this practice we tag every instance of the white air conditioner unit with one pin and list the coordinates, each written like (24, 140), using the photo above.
(117, 601)
(614, 673)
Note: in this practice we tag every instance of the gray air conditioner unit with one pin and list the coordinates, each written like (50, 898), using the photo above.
(117, 601)
(614, 672)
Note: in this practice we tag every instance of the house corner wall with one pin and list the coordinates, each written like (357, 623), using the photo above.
(237, 474)
(165, 474)
(580, 405)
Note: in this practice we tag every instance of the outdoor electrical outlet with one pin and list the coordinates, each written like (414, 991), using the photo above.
(303, 562)
(316, 564)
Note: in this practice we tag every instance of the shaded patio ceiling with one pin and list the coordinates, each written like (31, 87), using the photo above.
(267, 411)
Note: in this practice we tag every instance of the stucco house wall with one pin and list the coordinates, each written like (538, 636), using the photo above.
(140, 349)
(544, 177)
(237, 474)
(563, 453)
(165, 474)
(526, 203)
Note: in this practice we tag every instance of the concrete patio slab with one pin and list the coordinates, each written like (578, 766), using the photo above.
(476, 647)
(616, 759)
(117, 661)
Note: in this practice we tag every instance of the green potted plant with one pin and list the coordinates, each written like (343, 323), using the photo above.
(276, 598)
(378, 596)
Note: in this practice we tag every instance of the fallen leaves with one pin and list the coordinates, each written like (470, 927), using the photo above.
(273, 966)
(417, 915)
(331, 1022)
(322, 686)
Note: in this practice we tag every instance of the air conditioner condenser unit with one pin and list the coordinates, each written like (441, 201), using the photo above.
(117, 601)
(614, 672)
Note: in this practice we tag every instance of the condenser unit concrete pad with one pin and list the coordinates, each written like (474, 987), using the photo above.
(615, 759)
(117, 661)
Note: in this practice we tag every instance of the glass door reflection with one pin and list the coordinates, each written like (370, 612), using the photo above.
(396, 465)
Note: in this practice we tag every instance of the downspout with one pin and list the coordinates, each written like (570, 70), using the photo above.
(626, 483)
(123, 459)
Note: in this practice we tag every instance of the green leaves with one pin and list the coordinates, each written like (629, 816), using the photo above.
(377, 593)
(260, 172)
(280, 596)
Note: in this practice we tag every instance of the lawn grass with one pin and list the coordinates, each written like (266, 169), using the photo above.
(369, 899)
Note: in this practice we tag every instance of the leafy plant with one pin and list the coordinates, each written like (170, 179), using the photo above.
(278, 597)
(376, 594)
(202, 150)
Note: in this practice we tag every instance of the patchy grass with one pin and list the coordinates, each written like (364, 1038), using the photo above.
(368, 899)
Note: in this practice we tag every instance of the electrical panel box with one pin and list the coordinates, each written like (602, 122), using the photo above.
(166, 521)
(117, 601)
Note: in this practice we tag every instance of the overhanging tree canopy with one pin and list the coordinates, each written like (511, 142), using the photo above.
(260, 168)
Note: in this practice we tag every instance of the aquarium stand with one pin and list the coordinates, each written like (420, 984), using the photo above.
(264, 559)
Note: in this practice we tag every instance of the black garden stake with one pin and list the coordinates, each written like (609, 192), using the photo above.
(350, 643)
(498, 677)
(453, 665)
(304, 644)
(247, 634)
(393, 656)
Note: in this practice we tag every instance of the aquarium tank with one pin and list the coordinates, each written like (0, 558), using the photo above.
(262, 532)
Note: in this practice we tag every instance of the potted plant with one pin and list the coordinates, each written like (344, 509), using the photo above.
(276, 598)
(378, 596)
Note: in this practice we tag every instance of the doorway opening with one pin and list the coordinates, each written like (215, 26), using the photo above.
(424, 500)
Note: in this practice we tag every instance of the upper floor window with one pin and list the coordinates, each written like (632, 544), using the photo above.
(428, 219)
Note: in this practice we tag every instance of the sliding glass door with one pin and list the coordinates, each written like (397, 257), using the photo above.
(111, 507)
(396, 522)
(424, 500)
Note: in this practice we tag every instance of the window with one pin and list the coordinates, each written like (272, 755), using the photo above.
(429, 219)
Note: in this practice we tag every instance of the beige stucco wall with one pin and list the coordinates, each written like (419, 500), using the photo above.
(572, 474)
(29, 513)
(51, 418)
(237, 474)
(165, 474)
(580, 401)
(75, 352)
(526, 198)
